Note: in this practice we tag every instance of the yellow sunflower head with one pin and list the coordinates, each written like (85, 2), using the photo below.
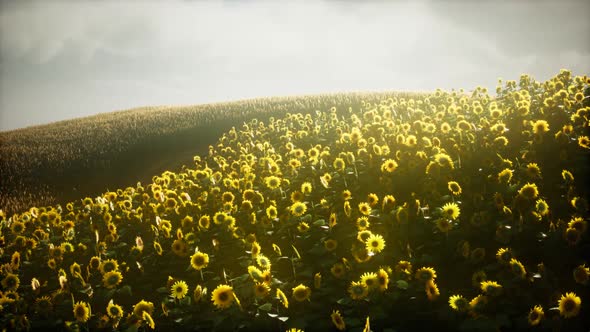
(451, 211)
(535, 316)
(375, 243)
(223, 296)
(199, 260)
(301, 293)
(82, 312)
(179, 290)
(569, 305)
(337, 320)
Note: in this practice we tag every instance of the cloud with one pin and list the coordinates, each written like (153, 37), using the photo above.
(40, 31)
(91, 57)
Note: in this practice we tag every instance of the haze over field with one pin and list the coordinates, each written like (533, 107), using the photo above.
(61, 60)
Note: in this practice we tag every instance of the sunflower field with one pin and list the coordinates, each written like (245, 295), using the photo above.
(449, 211)
(51, 164)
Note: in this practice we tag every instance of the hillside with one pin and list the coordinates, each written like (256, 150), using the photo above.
(58, 162)
(442, 211)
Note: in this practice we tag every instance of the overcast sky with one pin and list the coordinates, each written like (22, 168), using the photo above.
(61, 60)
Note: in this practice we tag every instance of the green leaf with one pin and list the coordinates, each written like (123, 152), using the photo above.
(344, 301)
(125, 290)
(162, 290)
(283, 318)
(320, 222)
(265, 307)
(402, 284)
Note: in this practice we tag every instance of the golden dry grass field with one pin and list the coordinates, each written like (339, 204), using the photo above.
(447, 211)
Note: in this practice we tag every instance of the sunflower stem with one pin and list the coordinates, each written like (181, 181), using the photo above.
(201, 272)
(293, 268)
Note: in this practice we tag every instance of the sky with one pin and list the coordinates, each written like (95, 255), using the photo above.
(62, 60)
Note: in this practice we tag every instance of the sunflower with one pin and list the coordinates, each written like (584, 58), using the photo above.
(298, 209)
(529, 191)
(346, 195)
(451, 211)
(388, 202)
(272, 182)
(459, 303)
(372, 199)
(255, 250)
(389, 166)
(431, 290)
(505, 176)
(425, 273)
(10, 282)
(443, 225)
(375, 243)
(578, 224)
(540, 127)
(491, 288)
(365, 208)
(382, 279)
(542, 207)
(517, 268)
(261, 290)
(584, 142)
(444, 160)
(302, 227)
(536, 314)
(198, 293)
(81, 312)
(52, 263)
(108, 266)
(179, 290)
(454, 187)
(401, 215)
(569, 305)
(142, 306)
(219, 218)
(339, 164)
(360, 252)
(17, 227)
(43, 305)
(282, 298)
(532, 170)
(180, 248)
(477, 304)
(338, 270)
(504, 255)
(370, 280)
(114, 311)
(204, 222)
(337, 320)
(296, 196)
(317, 280)
(362, 223)
(581, 274)
(358, 290)
(263, 262)
(271, 212)
(111, 279)
(330, 244)
(223, 296)
(199, 260)
(332, 221)
(567, 176)
(301, 293)
(306, 188)
(158, 248)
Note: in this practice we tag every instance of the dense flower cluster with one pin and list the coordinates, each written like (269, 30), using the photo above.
(454, 207)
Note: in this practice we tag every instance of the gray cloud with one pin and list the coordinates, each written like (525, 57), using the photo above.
(66, 59)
